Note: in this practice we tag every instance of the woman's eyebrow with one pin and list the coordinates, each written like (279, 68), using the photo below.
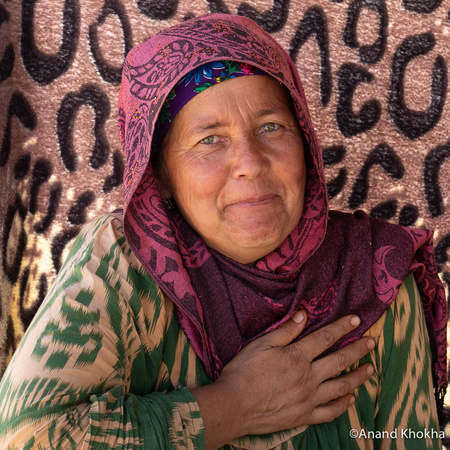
(206, 127)
(267, 112)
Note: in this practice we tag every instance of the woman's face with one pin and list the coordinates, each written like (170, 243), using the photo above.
(235, 165)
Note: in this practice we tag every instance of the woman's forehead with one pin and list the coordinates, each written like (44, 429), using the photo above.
(255, 93)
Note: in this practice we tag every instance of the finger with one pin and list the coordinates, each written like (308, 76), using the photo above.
(336, 362)
(285, 334)
(320, 340)
(335, 388)
(332, 410)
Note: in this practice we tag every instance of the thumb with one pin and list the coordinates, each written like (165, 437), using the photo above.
(285, 334)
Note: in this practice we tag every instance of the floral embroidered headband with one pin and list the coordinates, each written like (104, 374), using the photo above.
(196, 81)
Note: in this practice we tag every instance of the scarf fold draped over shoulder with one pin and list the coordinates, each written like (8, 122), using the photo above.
(332, 264)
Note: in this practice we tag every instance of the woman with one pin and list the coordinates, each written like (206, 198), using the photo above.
(176, 322)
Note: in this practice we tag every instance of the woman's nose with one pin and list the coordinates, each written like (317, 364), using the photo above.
(248, 159)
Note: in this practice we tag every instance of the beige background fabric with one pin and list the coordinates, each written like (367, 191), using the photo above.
(375, 73)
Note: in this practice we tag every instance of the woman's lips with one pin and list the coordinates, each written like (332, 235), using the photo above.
(251, 202)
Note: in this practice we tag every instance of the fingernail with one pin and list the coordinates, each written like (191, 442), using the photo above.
(370, 344)
(298, 317)
(352, 400)
(369, 370)
(355, 321)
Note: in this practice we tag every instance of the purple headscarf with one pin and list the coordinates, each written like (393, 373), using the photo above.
(330, 265)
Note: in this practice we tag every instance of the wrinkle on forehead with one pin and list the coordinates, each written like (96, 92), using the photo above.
(276, 99)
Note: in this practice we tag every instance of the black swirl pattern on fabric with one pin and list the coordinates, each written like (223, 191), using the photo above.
(22, 166)
(384, 156)
(158, 9)
(44, 68)
(385, 210)
(314, 23)
(41, 173)
(272, 20)
(368, 54)
(115, 179)
(111, 74)
(18, 107)
(422, 6)
(92, 96)
(408, 215)
(7, 61)
(54, 199)
(59, 243)
(26, 313)
(333, 155)
(441, 249)
(217, 6)
(432, 166)
(414, 124)
(77, 213)
(350, 124)
(11, 244)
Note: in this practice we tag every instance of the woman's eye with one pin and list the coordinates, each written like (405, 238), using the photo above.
(213, 139)
(268, 127)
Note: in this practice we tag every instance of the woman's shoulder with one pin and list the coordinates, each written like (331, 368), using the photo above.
(107, 228)
(103, 238)
(101, 260)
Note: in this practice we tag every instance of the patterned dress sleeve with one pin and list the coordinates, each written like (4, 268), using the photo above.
(69, 383)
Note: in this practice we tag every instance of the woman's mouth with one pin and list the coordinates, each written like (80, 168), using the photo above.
(251, 202)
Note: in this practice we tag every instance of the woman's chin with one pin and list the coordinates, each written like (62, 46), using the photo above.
(250, 242)
(247, 234)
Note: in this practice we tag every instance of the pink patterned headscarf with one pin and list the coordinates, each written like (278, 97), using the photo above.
(330, 265)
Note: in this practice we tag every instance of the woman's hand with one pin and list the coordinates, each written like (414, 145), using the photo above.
(274, 384)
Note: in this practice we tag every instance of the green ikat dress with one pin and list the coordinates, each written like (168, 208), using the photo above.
(105, 364)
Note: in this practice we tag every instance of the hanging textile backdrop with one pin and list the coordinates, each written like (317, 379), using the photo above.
(375, 74)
